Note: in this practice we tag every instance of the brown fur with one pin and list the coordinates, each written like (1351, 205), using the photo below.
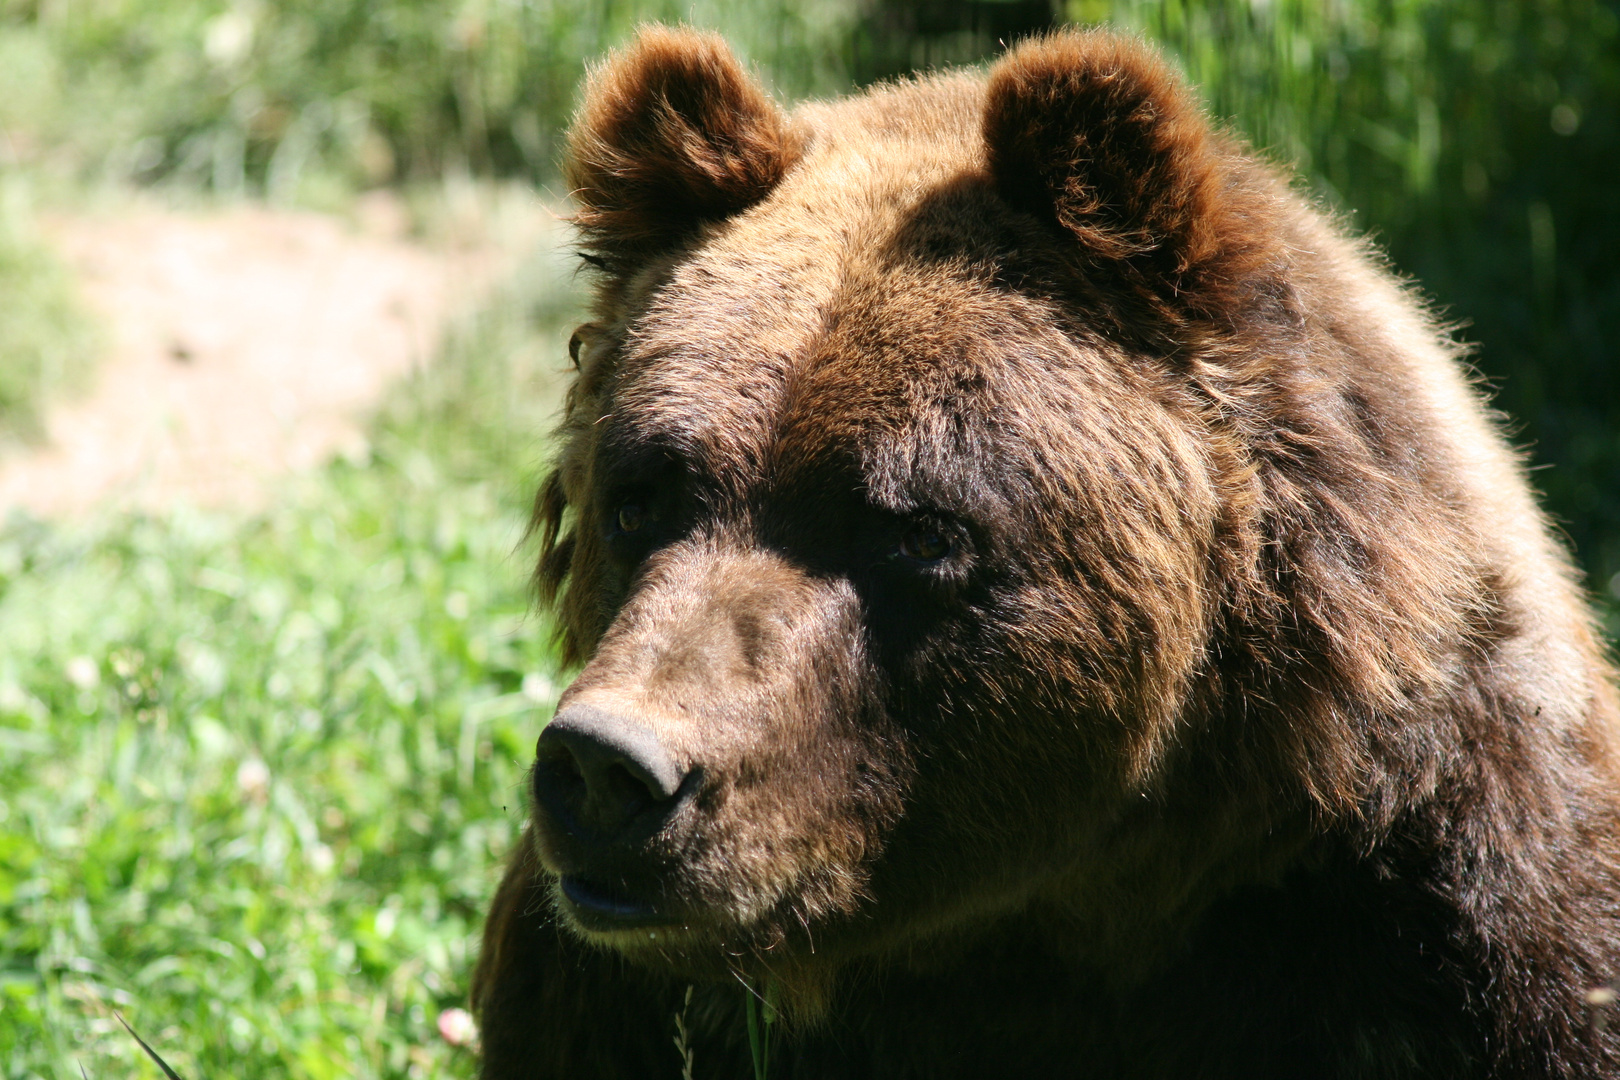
(1253, 724)
(665, 144)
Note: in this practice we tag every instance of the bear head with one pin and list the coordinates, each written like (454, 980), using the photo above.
(964, 506)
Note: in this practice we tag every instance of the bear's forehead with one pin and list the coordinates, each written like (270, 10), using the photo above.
(856, 311)
(745, 362)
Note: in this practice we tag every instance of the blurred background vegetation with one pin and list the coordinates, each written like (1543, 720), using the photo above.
(256, 775)
(1476, 139)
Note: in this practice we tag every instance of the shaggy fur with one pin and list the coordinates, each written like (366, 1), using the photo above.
(1101, 631)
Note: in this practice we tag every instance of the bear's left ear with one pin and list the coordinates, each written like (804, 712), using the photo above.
(1096, 132)
(672, 133)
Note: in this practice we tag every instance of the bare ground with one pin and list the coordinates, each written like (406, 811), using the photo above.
(247, 342)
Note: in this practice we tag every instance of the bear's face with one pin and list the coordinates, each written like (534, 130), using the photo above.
(889, 522)
(810, 514)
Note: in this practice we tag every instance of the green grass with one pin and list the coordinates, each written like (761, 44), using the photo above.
(304, 97)
(47, 341)
(257, 776)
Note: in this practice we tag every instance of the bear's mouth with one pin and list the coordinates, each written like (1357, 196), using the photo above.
(600, 907)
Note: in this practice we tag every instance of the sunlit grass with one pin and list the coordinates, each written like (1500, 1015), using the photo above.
(300, 99)
(256, 777)
(48, 342)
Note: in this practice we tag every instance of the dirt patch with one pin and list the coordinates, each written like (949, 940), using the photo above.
(247, 342)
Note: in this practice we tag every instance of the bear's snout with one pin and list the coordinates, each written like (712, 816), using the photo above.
(601, 774)
(730, 690)
(606, 787)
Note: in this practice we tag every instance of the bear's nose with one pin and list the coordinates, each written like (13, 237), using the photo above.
(600, 772)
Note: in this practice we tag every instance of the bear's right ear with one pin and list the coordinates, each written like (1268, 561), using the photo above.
(672, 133)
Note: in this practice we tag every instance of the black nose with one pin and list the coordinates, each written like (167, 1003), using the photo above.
(598, 772)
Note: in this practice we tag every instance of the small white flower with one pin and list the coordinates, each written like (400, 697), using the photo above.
(228, 37)
(457, 1027)
(83, 673)
(321, 859)
(538, 689)
(253, 780)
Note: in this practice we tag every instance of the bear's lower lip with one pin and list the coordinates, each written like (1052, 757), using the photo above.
(597, 907)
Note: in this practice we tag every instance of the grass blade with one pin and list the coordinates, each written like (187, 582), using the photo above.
(756, 1043)
(151, 1053)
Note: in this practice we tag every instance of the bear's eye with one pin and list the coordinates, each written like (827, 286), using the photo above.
(925, 545)
(631, 517)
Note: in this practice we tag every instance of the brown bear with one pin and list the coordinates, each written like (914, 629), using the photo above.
(1050, 605)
